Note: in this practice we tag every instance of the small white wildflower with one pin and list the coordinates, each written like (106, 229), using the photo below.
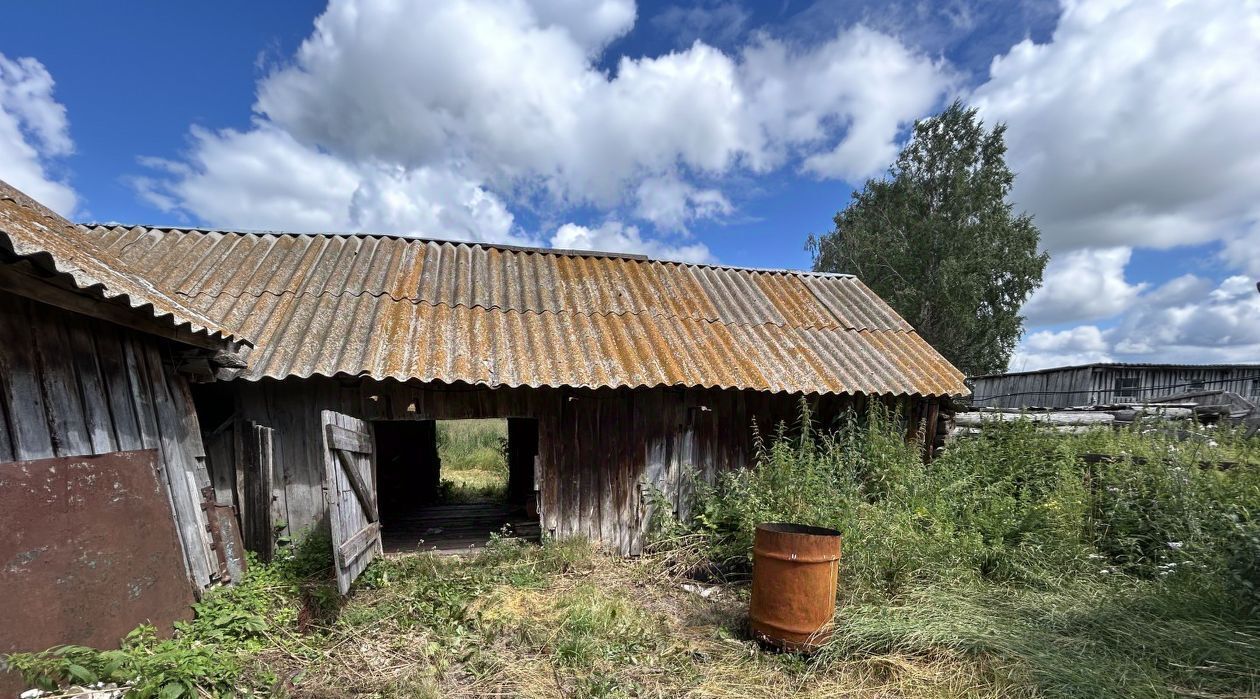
(1175, 545)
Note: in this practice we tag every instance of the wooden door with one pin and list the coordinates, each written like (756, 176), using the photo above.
(254, 469)
(350, 492)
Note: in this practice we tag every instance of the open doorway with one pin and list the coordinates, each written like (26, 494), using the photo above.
(474, 461)
(448, 485)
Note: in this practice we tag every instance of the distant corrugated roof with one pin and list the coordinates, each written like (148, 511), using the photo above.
(1119, 365)
(405, 308)
(33, 232)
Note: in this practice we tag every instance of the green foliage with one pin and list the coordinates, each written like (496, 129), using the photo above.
(1130, 577)
(151, 667)
(940, 243)
(473, 445)
(1091, 638)
(208, 655)
(471, 486)
(474, 459)
(595, 627)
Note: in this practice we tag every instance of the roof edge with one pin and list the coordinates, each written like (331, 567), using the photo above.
(526, 249)
(1117, 365)
(248, 377)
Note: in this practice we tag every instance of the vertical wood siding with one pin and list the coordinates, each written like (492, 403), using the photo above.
(602, 453)
(71, 385)
(1159, 381)
(1092, 385)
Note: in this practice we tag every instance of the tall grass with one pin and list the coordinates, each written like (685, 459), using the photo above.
(1137, 577)
(474, 459)
(473, 445)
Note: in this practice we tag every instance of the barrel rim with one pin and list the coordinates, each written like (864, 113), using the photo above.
(798, 529)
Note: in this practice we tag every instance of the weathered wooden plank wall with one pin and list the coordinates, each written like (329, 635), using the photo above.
(1048, 389)
(1091, 385)
(1161, 381)
(601, 452)
(71, 385)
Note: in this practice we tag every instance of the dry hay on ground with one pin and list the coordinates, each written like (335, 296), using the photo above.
(607, 627)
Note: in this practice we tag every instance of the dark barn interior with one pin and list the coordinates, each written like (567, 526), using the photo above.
(415, 516)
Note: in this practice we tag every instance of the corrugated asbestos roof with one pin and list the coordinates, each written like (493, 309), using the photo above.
(400, 308)
(33, 232)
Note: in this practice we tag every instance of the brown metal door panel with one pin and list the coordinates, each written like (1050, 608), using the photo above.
(89, 551)
(350, 491)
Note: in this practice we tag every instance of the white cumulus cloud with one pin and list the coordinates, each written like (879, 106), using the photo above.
(1083, 285)
(1083, 344)
(510, 98)
(1136, 124)
(34, 132)
(1187, 319)
(1222, 325)
(264, 179)
(868, 81)
(617, 236)
(670, 202)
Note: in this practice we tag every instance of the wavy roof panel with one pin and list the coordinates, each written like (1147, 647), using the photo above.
(31, 231)
(391, 307)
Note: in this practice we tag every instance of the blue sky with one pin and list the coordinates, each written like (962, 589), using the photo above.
(711, 131)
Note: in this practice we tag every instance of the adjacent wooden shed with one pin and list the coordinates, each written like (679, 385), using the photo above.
(619, 374)
(1108, 383)
(106, 523)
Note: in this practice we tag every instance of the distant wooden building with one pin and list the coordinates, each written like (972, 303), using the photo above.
(105, 520)
(1107, 383)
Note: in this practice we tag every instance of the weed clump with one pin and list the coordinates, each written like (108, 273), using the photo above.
(1136, 575)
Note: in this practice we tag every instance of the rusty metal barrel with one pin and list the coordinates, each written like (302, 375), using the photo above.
(795, 570)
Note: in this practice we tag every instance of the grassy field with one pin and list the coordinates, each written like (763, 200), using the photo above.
(474, 460)
(1006, 568)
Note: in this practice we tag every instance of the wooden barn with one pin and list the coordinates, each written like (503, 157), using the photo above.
(619, 375)
(106, 519)
(1109, 383)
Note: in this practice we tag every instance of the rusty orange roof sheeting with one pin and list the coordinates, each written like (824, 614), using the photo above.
(392, 307)
(31, 231)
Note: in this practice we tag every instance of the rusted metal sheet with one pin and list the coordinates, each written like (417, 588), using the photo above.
(89, 551)
(399, 308)
(31, 231)
(795, 571)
